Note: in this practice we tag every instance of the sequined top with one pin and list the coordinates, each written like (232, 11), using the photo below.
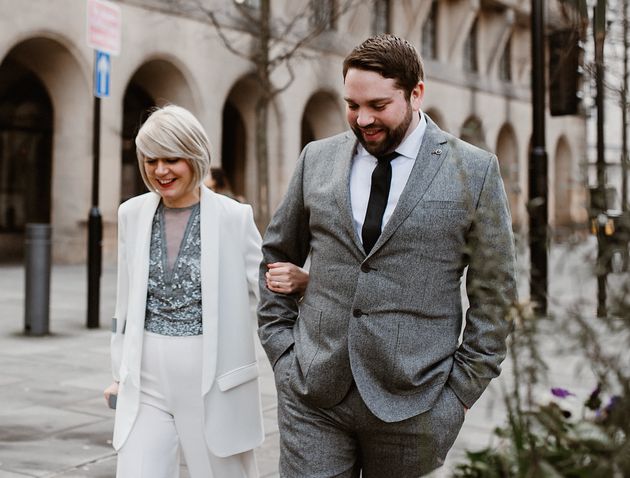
(174, 295)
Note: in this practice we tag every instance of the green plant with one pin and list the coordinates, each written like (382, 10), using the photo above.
(547, 439)
(549, 442)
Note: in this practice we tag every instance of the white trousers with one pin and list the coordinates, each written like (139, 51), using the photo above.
(170, 417)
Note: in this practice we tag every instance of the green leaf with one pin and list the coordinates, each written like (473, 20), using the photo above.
(548, 471)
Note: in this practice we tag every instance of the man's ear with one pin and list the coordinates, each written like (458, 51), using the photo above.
(416, 97)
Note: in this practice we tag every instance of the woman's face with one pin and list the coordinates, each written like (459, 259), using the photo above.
(172, 180)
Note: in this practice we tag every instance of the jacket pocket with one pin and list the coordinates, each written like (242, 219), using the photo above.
(237, 377)
(307, 336)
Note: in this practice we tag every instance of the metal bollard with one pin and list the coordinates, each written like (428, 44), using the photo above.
(37, 265)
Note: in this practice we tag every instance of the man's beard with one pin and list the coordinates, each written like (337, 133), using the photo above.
(393, 137)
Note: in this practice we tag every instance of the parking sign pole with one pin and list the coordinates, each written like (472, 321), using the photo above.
(95, 222)
(104, 20)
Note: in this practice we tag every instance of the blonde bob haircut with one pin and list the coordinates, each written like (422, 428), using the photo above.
(173, 132)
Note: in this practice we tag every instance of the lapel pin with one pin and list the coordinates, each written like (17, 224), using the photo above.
(437, 151)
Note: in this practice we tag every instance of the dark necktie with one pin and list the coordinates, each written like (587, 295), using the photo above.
(379, 192)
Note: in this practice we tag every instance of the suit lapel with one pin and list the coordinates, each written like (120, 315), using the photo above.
(210, 228)
(341, 175)
(432, 152)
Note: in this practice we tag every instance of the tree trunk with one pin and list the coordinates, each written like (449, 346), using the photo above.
(262, 113)
(262, 110)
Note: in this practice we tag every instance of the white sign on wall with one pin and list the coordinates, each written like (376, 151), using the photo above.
(104, 21)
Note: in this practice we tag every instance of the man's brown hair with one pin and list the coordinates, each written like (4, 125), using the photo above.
(391, 57)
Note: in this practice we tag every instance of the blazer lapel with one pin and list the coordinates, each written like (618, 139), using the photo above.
(139, 283)
(341, 175)
(210, 225)
(432, 152)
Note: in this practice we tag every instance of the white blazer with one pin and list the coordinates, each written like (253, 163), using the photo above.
(230, 257)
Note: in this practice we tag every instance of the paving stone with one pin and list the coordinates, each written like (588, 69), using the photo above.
(39, 421)
(11, 474)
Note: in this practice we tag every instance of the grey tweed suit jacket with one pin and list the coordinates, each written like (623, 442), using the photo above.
(391, 320)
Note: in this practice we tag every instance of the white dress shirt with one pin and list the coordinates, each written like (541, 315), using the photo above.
(363, 164)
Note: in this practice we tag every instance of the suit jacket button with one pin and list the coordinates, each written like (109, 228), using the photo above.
(365, 268)
(357, 313)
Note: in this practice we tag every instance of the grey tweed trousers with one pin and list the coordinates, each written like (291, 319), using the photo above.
(348, 441)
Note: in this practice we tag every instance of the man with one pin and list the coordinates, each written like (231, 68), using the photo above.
(369, 372)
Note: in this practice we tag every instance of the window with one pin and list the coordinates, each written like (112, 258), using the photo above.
(381, 17)
(323, 14)
(505, 63)
(429, 33)
(471, 61)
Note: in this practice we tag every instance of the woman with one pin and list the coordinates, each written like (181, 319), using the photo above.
(183, 355)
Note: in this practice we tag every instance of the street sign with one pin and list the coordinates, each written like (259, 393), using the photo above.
(102, 70)
(104, 20)
(103, 35)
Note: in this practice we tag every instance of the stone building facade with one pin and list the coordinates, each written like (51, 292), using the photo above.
(477, 62)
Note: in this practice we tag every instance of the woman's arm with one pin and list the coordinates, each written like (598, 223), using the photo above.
(286, 278)
(122, 295)
(120, 314)
(251, 249)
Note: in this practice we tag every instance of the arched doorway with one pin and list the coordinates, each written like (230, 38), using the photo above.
(234, 148)
(45, 80)
(136, 105)
(238, 141)
(322, 117)
(26, 127)
(507, 152)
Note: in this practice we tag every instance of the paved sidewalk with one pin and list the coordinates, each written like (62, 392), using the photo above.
(53, 419)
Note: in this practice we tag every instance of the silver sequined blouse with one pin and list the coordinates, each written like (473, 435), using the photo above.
(174, 295)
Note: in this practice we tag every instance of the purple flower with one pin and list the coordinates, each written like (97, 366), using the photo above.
(561, 392)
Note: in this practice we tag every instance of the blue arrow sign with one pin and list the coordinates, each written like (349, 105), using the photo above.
(102, 70)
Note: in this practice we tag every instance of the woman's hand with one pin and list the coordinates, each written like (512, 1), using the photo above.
(111, 390)
(286, 278)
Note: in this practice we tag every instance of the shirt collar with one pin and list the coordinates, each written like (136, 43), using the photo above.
(410, 147)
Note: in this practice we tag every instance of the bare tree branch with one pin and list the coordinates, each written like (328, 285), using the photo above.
(287, 84)
(316, 31)
(219, 29)
(288, 27)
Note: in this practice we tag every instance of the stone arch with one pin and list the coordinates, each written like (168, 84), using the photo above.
(322, 117)
(158, 81)
(166, 80)
(507, 152)
(473, 133)
(45, 107)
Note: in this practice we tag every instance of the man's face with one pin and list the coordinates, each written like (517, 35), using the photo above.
(377, 110)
